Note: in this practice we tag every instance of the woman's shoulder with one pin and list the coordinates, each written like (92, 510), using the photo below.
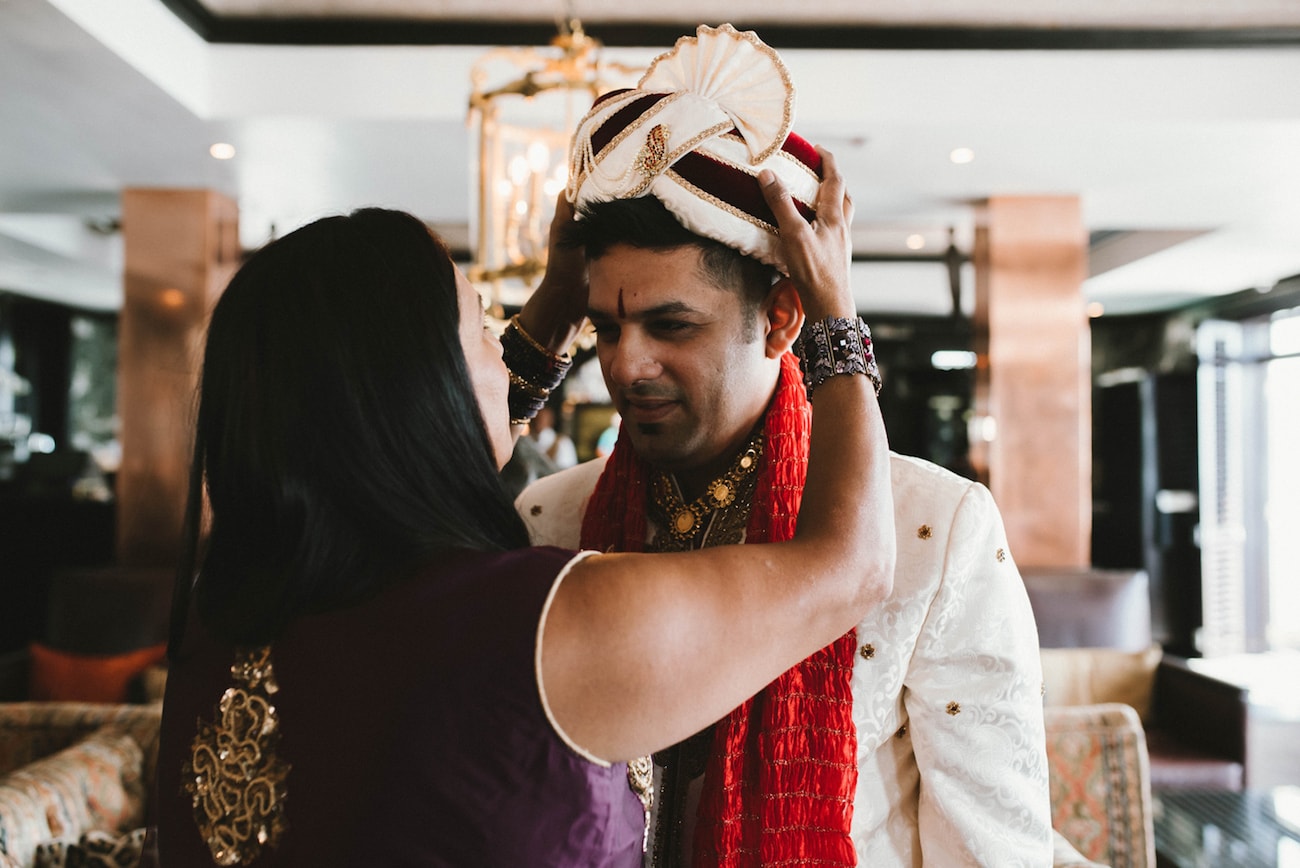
(467, 582)
(523, 565)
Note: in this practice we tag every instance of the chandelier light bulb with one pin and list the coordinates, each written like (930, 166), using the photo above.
(518, 170)
(539, 157)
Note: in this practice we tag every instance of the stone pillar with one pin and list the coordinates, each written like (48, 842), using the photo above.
(182, 247)
(1031, 438)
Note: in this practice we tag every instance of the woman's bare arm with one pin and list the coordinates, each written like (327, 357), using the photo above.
(555, 310)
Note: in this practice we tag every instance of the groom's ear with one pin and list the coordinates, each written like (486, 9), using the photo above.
(784, 315)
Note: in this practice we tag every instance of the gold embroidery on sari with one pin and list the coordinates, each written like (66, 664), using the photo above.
(234, 776)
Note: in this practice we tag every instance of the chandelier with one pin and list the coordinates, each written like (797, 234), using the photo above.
(521, 130)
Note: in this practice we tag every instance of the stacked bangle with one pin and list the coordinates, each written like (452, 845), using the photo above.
(836, 345)
(535, 371)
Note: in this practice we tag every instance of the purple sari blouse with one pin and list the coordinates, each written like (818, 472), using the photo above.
(414, 733)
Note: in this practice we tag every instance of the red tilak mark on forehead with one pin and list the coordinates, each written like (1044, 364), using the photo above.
(622, 311)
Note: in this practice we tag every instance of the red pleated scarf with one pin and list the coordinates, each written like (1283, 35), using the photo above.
(779, 783)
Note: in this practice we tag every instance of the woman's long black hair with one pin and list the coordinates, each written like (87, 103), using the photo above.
(338, 438)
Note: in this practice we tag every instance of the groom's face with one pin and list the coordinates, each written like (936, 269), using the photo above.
(683, 358)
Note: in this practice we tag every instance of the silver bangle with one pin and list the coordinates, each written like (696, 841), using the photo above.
(834, 346)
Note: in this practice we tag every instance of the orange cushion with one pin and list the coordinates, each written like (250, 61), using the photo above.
(59, 676)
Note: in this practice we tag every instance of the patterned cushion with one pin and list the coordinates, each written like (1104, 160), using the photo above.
(1100, 781)
(1064, 854)
(93, 850)
(95, 785)
(32, 730)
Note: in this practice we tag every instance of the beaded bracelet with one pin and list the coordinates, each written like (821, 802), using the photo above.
(836, 345)
(535, 371)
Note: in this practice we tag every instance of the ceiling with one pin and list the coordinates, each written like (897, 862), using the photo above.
(1176, 122)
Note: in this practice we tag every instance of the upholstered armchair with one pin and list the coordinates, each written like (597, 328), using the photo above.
(1094, 629)
(1099, 775)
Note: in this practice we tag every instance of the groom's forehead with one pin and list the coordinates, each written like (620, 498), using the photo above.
(633, 282)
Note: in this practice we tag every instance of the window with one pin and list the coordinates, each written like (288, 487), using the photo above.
(1282, 509)
(92, 390)
(1249, 385)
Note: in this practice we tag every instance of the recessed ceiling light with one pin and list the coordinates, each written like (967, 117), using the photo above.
(1096, 309)
(961, 155)
(915, 241)
(222, 151)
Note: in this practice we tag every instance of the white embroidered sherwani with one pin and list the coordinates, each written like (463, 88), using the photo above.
(947, 682)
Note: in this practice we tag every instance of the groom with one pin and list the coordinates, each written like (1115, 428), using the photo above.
(919, 735)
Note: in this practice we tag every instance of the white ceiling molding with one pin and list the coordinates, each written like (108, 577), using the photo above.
(965, 13)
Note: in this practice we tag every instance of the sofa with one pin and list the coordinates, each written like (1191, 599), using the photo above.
(80, 775)
(75, 782)
(1094, 629)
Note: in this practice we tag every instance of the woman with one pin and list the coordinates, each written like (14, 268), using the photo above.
(372, 666)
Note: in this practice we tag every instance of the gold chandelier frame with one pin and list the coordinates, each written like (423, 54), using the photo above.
(520, 152)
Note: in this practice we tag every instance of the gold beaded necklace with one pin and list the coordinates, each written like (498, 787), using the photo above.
(716, 517)
(719, 516)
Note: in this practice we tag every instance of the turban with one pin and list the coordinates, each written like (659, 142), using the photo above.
(697, 129)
